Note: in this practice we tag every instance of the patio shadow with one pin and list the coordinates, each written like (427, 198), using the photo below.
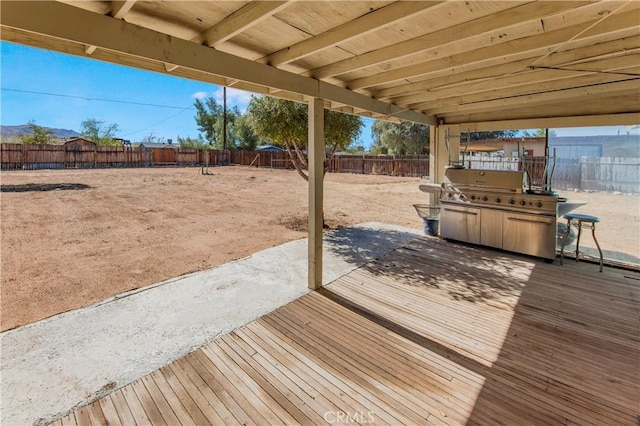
(361, 244)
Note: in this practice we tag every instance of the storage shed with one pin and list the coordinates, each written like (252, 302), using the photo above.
(79, 153)
(79, 143)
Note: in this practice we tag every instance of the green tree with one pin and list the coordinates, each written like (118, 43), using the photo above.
(478, 136)
(242, 133)
(152, 138)
(284, 123)
(209, 117)
(97, 131)
(210, 120)
(400, 139)
(354, 148)
(189, 142)
(39, 135)
(539, 133)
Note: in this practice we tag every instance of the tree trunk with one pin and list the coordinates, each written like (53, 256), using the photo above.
(296, 164)
(301, 158)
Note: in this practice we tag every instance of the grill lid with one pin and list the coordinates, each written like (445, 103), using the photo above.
(496, 180)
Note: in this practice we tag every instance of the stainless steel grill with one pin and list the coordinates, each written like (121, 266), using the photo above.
(489, 207)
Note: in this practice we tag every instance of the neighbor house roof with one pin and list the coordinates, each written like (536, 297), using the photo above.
(157, 145)
(269, 148)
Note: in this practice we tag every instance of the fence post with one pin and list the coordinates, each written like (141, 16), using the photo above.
(23, 157)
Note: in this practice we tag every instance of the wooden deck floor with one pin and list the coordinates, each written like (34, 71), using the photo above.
(434, 333)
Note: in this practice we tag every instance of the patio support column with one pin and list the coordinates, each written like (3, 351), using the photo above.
(316, 152)
(440, 155)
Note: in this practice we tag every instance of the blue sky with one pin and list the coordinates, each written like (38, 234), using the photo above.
(36, 70)
(26, 69)
(84, 81)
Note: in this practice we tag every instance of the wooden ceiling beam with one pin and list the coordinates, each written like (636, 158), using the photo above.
(534, 45)
(379, 18)
(27, 22)
(101, 7)
(620, 119)
(623, 64)
(533, 88)
(582, 93)
(461, 75)
(120, 8)
(456, 33)
(616, 108)
(247, 16)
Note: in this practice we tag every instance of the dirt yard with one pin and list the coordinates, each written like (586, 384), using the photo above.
(74, 237)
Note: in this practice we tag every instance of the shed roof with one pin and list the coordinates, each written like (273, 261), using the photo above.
(426, 61)
(78, 140)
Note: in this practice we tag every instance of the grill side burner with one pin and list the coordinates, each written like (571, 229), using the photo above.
(488, 207)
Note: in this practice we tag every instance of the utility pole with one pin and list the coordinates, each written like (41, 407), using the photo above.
(224, 118)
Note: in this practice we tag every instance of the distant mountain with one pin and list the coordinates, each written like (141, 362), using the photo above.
(10, 132)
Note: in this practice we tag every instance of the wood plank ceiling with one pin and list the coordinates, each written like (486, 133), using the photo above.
(453, 61)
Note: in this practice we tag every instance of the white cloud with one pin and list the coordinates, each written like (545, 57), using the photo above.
(235, 97)
(199, 95)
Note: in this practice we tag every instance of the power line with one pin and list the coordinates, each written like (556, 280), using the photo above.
(156, 124)
(182, 109)
(95, 99)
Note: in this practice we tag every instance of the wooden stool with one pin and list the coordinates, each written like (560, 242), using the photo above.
(580, 221)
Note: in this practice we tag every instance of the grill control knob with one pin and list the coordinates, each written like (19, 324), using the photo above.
(522, 202)
(539, 204)
(473, 197)
(498, 200)
(512, 201)
(485, 198)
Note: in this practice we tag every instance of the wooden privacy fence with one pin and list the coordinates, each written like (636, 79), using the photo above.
(34, 157)
(586, 173)
(392, 165)
(270, 159)
(414, 166)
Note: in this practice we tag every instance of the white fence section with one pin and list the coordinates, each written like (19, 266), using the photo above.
(586, 173)
(491, 163)
(610, 174)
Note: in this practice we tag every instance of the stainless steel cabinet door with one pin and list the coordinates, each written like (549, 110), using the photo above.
(460, 223)
(529, 234)
(491, 228)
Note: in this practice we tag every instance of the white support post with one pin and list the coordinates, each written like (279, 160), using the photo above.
(444, 147)
(434, 150)
(316, 152)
